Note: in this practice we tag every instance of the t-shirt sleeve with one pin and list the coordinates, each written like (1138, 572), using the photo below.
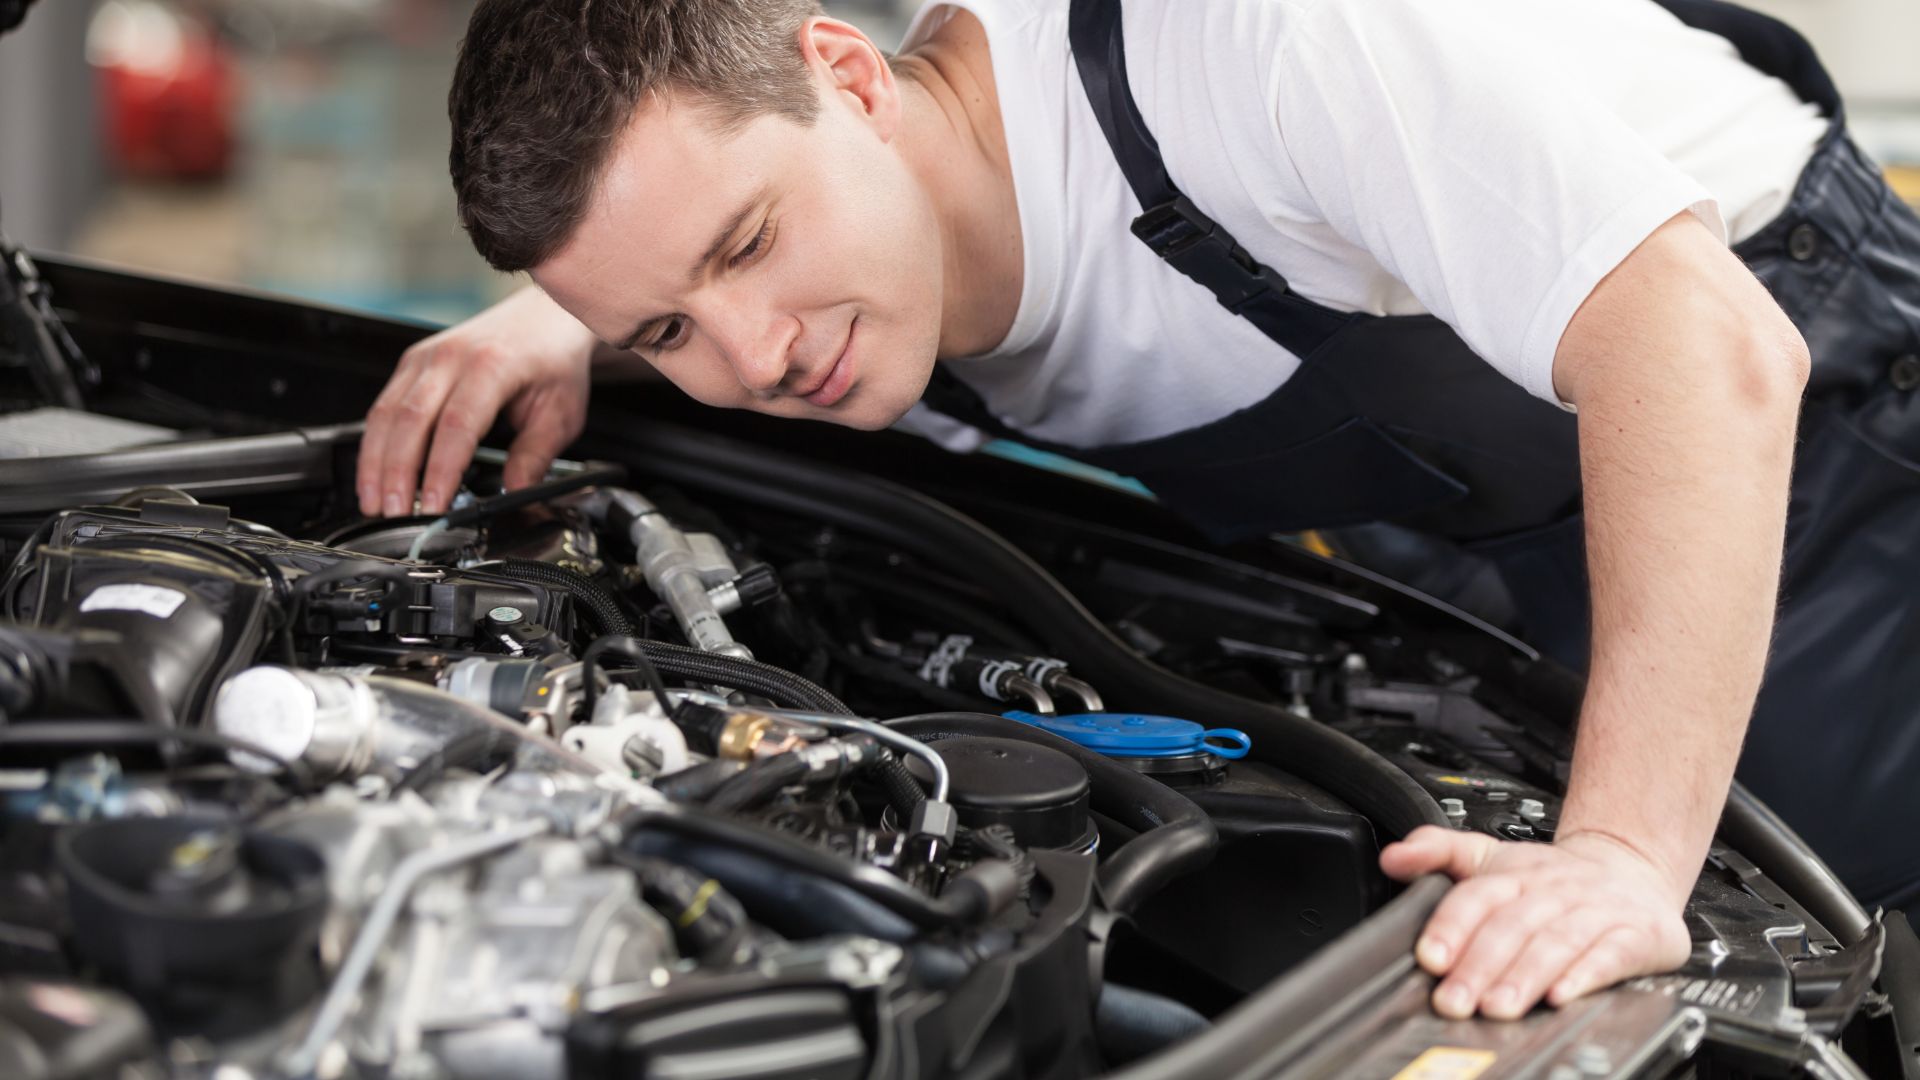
(1497, 193)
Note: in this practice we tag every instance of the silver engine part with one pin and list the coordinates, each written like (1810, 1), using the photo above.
(692, 572)
(463, 934)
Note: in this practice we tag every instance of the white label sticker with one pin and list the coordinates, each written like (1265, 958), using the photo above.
(152, 600)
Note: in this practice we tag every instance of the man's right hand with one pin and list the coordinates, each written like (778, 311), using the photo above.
(524, 355)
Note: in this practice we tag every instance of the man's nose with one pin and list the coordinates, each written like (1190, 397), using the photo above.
(757, 345)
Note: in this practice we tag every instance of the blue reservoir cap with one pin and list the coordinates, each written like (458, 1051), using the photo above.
(1139, 734)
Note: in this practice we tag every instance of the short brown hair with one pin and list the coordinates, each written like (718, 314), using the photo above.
(543, 87)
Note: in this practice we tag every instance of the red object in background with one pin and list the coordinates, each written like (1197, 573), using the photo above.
(172, 119)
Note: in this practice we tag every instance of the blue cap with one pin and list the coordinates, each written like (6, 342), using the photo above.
(1139, 735)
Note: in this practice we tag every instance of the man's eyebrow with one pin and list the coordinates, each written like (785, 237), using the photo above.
(721, 238)
(713, 251)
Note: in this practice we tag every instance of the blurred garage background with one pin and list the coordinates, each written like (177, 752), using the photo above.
(300, 145)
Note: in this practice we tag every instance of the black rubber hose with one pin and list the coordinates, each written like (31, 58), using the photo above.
(106, 732)
(708, 923)
(595, 598)
(696, 783)
(796, 861)
(1755, 831)
(944, 537)
(1176, 837)
(903, 791)
(756, 783)
(535, 493)
(781, 686)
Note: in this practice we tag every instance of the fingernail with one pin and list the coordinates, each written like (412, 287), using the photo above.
(1500, 1004)
(393, 505)
(430, 502)
(1567, 991)
(1453, 1001)
(1432, 954)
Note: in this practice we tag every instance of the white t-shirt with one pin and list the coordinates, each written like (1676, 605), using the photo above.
(1486, 161)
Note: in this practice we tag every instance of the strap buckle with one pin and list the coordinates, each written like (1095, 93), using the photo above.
(1196, 245)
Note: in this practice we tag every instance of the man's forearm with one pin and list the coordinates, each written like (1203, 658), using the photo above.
(1688, 381)
(1686, 448)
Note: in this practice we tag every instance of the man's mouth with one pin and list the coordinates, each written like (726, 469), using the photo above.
(839, 378)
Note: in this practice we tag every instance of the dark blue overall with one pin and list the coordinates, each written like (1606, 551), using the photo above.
(1394, 419)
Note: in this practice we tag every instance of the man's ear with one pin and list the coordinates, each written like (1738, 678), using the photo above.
(853, 70)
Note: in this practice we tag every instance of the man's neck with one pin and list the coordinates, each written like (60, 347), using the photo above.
(954, 141)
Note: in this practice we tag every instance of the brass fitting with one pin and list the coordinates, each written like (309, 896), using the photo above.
(742, 735)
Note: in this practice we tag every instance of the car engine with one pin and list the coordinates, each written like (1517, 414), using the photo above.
(417, 797)
(736, 751)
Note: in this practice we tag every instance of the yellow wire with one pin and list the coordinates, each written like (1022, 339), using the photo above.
(699, 905)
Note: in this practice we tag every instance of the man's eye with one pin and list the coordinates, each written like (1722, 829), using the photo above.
(755, 247)
(670, 334)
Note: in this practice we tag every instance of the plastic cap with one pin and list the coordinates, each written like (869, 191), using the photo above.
(1139, 734)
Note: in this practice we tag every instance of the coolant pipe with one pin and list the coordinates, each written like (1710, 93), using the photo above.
(676, 573)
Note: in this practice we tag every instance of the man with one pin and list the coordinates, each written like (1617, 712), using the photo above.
(775, 215)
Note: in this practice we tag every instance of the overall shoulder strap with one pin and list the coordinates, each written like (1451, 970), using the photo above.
(1175, 229)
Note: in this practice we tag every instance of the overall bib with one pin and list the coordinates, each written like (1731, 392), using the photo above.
(1394, 419)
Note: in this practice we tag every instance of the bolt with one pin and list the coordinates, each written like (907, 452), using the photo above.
(1533, 810)
(1455, 809)
(1592, 1059)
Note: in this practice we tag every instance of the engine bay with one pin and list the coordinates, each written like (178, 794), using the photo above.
(714, 757)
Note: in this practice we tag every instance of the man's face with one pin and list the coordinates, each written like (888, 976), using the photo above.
(790, 270)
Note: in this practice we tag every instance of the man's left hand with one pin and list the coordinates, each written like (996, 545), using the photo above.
(1527, 920)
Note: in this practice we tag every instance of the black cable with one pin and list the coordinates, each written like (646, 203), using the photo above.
(941, 536)
(776, 684)
(22, 565)
(460, 752)
(619, 645)
(115, 732)
(1175, 836)
(756, 783)
(596, 598)
(534, 493)
(350, 570)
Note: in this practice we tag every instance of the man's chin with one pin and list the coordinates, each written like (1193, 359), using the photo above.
(868, 419)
